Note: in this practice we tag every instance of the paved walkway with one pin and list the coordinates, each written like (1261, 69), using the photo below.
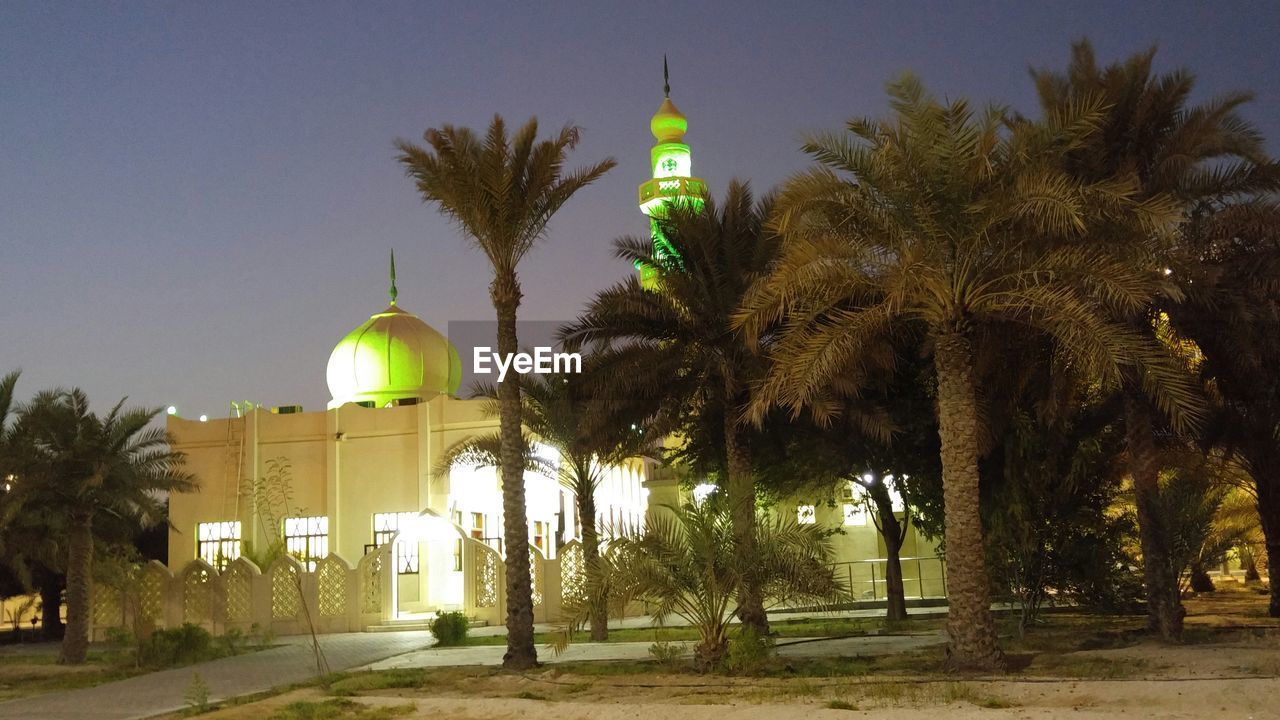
(162, 692)
(864, 646)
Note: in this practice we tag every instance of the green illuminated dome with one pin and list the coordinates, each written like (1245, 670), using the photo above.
(393, 356)
(668, 125)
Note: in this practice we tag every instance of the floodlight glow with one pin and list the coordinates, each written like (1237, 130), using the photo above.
(204, 418)
(173, 410)
(702, 492)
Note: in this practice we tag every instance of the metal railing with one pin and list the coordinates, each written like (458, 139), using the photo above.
(866, 579)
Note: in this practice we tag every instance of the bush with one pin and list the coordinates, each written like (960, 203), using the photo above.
(749, 652)
(666, 654)
(179, 646)
(450, 628)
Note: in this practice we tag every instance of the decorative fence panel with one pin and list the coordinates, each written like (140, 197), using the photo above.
(287, 599)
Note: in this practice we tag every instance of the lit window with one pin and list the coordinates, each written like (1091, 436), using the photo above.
(307, 539)
(540, 535)
(477, 525)
(218, 543)
(855, 514)
(385, 526)
(457, 555)
(806, 514)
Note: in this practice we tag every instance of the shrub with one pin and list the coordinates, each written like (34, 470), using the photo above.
(196, 696)
(178, 646)
(450, 628)
(665, 653)
(749, 653)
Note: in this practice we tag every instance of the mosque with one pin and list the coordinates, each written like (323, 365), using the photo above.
(362, 476)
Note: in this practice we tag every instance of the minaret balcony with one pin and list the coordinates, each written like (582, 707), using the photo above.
(660, 191)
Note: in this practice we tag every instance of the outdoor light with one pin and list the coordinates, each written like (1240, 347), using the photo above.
(173, 410)
(204, 418)
(702, 491)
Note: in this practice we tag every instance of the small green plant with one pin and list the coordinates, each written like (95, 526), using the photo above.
(176, 647)
(118, 636)
(450, 628)
(749, 653)
(196, 696)
(260, 637)
(665, 653)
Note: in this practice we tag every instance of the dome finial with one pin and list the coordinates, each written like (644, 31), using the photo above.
(666, 77)
(394, 292)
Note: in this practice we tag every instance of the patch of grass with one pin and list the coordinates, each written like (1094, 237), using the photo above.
(818, 667)
(841, 705)
(526, 695)
(351, 684)
(339, 709)
(887, 693)
(805, 627)
(1088, 667)
(963, 692)
(36, 674)
(606, 668)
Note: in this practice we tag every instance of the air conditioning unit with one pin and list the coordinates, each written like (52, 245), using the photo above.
(286, 410)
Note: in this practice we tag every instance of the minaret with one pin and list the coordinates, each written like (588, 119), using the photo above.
(672, 165)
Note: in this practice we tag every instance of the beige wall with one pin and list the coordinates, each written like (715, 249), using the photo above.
(351, 462)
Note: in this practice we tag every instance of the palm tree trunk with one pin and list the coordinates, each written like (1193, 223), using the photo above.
(1200, 580)
(591, 558)
(1269, 513)
(521, 654)
(893, 533)
(75, 643)
(741, 494)
(51, 586)
(1164, 604)
(973, 644)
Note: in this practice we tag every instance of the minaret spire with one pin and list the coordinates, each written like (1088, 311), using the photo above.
(394, 291)
(672, 181)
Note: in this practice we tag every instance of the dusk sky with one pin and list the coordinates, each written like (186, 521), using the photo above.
(197, 200)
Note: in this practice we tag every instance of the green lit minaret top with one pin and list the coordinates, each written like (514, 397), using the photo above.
(394, 291)
(672, 167)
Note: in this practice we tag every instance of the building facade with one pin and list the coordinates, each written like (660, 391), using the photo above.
(344, 519)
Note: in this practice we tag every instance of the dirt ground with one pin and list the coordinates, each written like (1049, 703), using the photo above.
(1075, 666)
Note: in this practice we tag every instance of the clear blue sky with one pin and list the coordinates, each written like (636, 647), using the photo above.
(197, 199)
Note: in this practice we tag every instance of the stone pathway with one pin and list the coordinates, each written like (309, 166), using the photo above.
(162, 692)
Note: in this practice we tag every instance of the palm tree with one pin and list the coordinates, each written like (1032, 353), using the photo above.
(1236, 324)
(1195, 154)
(962, 228)
(557, 414)
(673, 352)
(501, 192)
(32, 539)
(78, 466)
(679, 565)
